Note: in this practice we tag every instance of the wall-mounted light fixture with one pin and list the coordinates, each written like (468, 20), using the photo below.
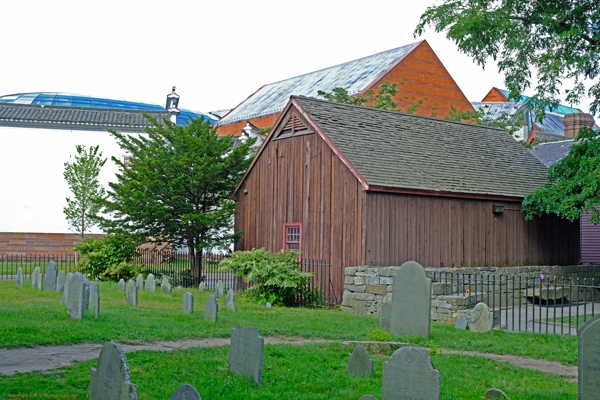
(497, 208)
(245, 191)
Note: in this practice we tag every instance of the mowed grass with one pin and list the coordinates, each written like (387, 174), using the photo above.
(316, 371)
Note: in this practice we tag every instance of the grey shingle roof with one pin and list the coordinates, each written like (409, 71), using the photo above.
(397, 150)
(551, 152)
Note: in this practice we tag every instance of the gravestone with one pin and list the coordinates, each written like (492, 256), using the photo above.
(360, 363)
(86, 294)
(131, 293)
(51, 277)
(268, 304)
(20, 277)
(110, 380)
(360, 308)
(113, 286)
(150, 283)
(480, 319)
(230, 304)
(94, 298)
(461, 322)
(409, 374)
(122, 284)
(246, 353)
(201, 287)
(140, 282)
(220, 287)
(367, 397)
(385, 317)
(36, 278)
(217, 295)
(495, 394)
(188, 303)
(589, 360)
(211, 309)
(61, 279)
(411, 301)
(185, 392)
(165, 286)
(76, 296)
(66, 289)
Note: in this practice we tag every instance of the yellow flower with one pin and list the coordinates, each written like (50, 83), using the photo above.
(467, 292)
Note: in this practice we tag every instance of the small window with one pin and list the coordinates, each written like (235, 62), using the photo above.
(292, 236)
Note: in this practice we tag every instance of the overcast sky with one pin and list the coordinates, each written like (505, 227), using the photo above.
(216, 52)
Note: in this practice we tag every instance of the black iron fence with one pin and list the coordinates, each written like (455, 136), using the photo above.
(541, 303)
(10, 264)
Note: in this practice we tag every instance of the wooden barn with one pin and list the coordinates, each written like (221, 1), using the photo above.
(362, 186)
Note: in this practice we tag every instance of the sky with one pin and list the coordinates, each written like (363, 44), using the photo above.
(216, 53)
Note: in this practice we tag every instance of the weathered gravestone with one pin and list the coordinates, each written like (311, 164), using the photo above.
(113, 286)
(481, 319)
(140, 282)
(61, 279)
(230, 303)
(150, 283)
(94, 298)
(246, 353)
(410, 375)
(495, 394)
(220, 287)
(65, 296)
(76, 296)
(188, 302)
(20, 277)
(411, 301)
(201, 287)
(461, 322)
(385, 317)
(360, 308)
(268, 304)
(86, 294)
(51, 276)
(131, 293)
(185, 392)
(589, 360)
(111, 379)
(217, 295)
(360, 363)
(165, 286)
(210, 309)
(36, 278)
(121, 285)
(367, 397)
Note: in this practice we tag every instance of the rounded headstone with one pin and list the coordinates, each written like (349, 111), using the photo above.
(495, 394)
(368, 397)
(110, 380)
(411, 301)
(589, 359)
(211, 309)
(360, 363)
(140, 282)
(36, 278)
(268, 304)
(131, 293)
(61, 279)
(480, 319)
(409, 374)
(165, 286)
(150, 283)
(51, 276)
(461, 322)
(20, 277)
(185, 392)
(188, 302)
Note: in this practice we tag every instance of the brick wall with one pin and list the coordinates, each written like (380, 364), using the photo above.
(39, 243)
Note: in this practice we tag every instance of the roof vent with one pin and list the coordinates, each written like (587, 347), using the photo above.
(574, 122)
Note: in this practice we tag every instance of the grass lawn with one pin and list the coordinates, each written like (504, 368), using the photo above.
(317, 371)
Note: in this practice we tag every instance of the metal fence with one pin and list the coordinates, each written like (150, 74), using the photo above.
(541, 303)
(10, 263)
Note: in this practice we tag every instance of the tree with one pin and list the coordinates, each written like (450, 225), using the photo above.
(483, 117)
(177, 186)
(82, 176)
(574, 183)
(559, 39)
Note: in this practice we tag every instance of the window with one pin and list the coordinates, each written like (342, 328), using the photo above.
(292, 236)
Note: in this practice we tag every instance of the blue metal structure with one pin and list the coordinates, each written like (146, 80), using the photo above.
(561, 109)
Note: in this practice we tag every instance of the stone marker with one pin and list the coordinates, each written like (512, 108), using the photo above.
(36, 278)
(185, 392)
(165, 286)
(51, 276)
(61, 279)
(201, 287)
(230, 304)
(367, 397)
(113, 286)
(409, 374)
(150, 283)
(122, 284)
(217, 295)
(461, 322)
(76, 296)
(495, 394)
(220, 287)
(411, 301)
(211, 309)
(66, 289)
(268, 304)
(94, 298)
(111, 379)
(20, 277)
(385, 317)
(246, 353)
(360, 308)
(86, 294)
(140, 282)
(188, 303)
(131, 293)
(360, 363)
(480, 319)
(589, 360)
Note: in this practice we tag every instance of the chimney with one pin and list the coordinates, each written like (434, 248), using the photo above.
(172, 104)
(574, 122)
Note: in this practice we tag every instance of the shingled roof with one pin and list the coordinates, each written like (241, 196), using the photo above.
(402, 151)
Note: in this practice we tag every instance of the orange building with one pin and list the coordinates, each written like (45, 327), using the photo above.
(423, 75)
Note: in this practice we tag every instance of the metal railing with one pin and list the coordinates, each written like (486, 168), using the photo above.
(539, 303)
(10, 263)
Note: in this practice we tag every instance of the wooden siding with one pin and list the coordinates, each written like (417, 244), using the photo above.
(300, 179)
(448, 232)
(590, 240)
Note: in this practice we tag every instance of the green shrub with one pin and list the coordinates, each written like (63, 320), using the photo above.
(276, 278)
(379, 335)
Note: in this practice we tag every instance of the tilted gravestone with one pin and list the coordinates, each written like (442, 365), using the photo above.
(385, 317)
(495, 394)
(589, 360)
(76, 296)
(201, 287)
(140, 282)
(246, 353)
(150, 283)
(185, 392)
(131, 293)
(230, 304)
(220, 287)
(20, 277)
(121, 284)
(188, 303)
(165, 286)
(211, 309)
(36, 278)
(110, 380)
(95, 298)
(481, 319)
(360, 363)
(51, 276)
(461, 322)
(411, 301)
(61, 279)
(409, 374)
(66, 289)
